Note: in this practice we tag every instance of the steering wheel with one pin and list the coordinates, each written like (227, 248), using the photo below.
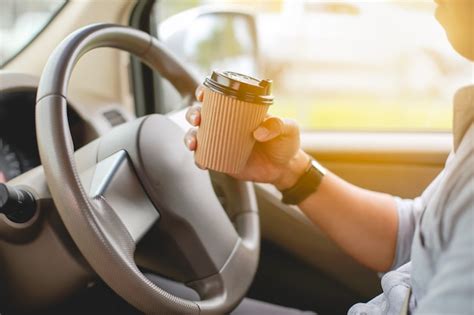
(112, 191)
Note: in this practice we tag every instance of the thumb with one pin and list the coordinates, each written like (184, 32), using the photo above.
(269, 129)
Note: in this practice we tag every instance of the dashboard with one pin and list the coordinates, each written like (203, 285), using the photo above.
(18, 145)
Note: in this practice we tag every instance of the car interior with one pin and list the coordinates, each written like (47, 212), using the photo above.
(120, 220)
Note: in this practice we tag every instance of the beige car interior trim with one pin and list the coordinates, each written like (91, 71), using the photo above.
(11, 81)
(402, 147)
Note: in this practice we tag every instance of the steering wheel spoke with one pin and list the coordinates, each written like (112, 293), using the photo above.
(113, 185)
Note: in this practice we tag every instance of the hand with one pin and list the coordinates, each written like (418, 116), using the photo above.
(276, 157)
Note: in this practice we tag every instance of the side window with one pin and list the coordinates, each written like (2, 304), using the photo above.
(21, 21)
(213, 41)
(337, 66)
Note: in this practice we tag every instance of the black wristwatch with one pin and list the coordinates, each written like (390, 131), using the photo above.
(307, 184)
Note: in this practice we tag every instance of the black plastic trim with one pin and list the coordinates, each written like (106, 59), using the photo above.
(141, 74)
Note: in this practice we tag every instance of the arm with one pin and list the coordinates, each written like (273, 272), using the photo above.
(362, 222)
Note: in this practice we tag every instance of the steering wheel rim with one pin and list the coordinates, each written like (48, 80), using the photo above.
(106, 241)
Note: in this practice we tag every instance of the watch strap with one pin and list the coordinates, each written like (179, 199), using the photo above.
(307, 184)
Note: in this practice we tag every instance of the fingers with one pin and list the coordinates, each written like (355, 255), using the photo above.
(273, 127)
(200, 93)
(193, 115)
(190, 139)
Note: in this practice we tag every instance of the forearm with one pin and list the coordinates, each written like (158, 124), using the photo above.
(363, 223)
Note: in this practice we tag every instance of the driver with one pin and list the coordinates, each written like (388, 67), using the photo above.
(424, 246)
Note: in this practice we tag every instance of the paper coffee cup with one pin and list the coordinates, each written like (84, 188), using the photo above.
(234, 106)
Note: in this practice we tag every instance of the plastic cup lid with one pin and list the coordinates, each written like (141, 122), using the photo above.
(240, 86)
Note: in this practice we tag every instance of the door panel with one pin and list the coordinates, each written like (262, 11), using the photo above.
(401, 164)
(289, 228)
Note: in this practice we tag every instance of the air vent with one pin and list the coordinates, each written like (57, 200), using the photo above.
(114, 117)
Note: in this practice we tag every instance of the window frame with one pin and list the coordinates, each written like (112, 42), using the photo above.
(144, 82)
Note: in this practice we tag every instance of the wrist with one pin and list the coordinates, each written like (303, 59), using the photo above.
(293, 171)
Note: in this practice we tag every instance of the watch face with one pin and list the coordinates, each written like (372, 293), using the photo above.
(321, 169)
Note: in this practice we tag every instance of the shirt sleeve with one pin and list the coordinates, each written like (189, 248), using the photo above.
(408, 213)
